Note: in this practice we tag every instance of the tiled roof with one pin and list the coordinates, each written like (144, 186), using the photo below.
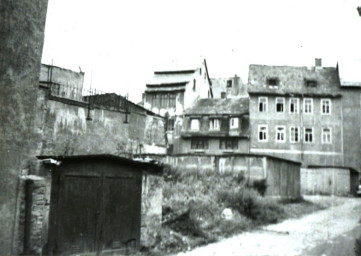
(237, 106)
(350, 72)
(292, 80)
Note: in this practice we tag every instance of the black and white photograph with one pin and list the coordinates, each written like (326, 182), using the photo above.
(178, 127)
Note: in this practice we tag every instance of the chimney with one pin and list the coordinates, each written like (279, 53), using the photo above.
(318, 63)
(359, 10)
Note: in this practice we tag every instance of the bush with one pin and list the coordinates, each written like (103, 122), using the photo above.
(249, 203)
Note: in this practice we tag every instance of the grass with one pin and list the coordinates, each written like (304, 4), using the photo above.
(193, 202)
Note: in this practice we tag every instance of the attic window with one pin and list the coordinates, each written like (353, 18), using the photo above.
(311, 83)
(272, 82)
(229, 83)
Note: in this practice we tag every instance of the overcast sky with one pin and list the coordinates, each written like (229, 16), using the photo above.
(119, 43)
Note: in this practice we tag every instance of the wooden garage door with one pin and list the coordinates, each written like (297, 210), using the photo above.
(96, 214)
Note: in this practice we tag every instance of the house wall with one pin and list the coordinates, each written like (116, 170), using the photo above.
(282, 176)
(213, 146)
(309, 153)
(21, 43)
(325, 181)
(66, 130)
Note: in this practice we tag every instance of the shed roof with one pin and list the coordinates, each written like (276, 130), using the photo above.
(292, 80)
(138, 162)
(237, 106)
(349, 72)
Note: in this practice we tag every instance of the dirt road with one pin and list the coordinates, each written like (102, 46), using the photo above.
(313, 234)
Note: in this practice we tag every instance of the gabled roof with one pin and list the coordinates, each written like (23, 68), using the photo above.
(233, 106)
(291, 80)
(176, 72)
(349, 72)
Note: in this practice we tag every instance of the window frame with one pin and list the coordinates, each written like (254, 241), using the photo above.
(170, 124)
(284, 105)
(264, 103)
(304, 135)
(284, 133)
(233, 127)
(226, 142)
(304, 106)
(190, 125)
(298, 105)
(321, 105)
(212, 122)
(322, 133)
(195, 144)
(266, 132)
(299, 134)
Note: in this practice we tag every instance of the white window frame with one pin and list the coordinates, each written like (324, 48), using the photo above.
(297, 105)
(283, 102)
(304, 135)
(214, 124)
(284, 133)
(195, 124)
(299, 134)
(265, 103)
(304, 106)
(325, 100)
(266, 132)
(322, 136)
(234, 123)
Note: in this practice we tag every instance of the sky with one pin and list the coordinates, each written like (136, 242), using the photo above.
(118, 43)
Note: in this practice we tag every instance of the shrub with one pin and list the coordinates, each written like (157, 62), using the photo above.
(259, 185)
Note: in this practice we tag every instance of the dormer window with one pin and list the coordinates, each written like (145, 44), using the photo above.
(310, 83)
(229, 83)
(214, 124)
(272, 82)
(195, 124)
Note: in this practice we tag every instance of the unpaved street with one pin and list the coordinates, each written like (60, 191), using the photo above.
(314, 234)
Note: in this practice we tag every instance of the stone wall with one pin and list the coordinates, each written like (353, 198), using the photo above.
(151, 216)
(21, 43)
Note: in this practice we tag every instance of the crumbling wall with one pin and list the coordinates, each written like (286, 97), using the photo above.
(151, 210)
(71, 128)
(21, 43)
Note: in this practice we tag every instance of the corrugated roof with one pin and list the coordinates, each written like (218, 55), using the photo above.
(237, 106)
(349, 72)
(291, 80)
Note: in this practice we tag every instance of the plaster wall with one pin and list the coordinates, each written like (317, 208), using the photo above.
(21, 43)
(308, 153)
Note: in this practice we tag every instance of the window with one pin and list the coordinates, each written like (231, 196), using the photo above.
(172, 100)
(310, 83)
(194, 84)
(233, 123)
(155, 100)
(325, 106)
(272, 82)
(280, 133)
(199, 144)
(307, 105)
(326, 136)
(262, 133)
(229, 83)
(294, 105)
(294, 134)
(205, 76)
(262, 104)
(164, 101)
(200, 71)
(228, 144)
(214, 124)
(280, 105)
(223, 95)
(170, 125)
(195, 124)
(308, 135)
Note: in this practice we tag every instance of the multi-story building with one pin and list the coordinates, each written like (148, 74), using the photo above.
(296, 113)
(228, 87)
(305, 114)
(174, 89)
(215, 126)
